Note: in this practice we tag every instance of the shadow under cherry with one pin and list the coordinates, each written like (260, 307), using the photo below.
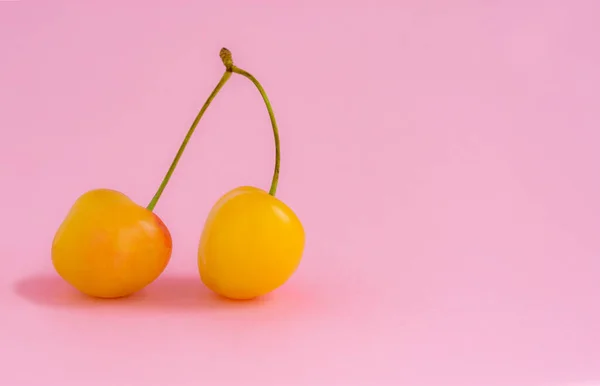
(168, 293)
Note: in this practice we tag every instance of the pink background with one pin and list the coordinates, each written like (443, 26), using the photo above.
(443, 156)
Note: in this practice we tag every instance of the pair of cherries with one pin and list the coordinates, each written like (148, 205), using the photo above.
(110, 247)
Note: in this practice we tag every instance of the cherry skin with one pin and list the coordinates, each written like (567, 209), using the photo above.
(252, 243)
(109, 247)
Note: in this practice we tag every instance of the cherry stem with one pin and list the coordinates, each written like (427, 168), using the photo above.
(228, 62)
(230, 68)
(191, 130)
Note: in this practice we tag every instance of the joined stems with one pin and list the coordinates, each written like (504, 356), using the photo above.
(230, 68)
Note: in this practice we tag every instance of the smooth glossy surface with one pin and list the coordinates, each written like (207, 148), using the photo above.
(251, 244)
(108, 246)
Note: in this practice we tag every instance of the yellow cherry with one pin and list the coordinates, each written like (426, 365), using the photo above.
(251, 244)
(110, 247)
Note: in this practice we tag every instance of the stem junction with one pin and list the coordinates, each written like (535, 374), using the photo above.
(230, 68)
